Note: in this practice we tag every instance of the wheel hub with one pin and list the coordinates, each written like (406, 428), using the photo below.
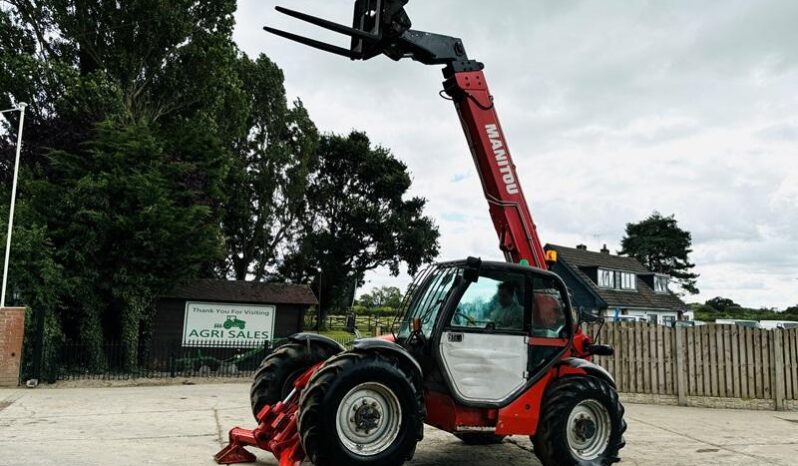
(584, 428)
(367, 416)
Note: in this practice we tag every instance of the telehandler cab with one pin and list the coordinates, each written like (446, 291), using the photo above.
(484, 349)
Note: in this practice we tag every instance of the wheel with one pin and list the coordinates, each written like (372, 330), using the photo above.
(581, 424)
(480, 438)
(361, 409)
(275, 377)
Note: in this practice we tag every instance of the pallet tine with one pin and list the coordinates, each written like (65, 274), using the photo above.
(313, 43)
(329, 25)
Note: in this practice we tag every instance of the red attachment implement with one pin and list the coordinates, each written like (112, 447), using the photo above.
(276, 432)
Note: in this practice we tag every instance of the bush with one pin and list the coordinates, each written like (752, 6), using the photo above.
(374, 311)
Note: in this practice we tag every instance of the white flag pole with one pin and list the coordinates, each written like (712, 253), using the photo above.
(21, 109)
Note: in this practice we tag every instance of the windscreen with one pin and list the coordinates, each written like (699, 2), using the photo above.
(428, 295)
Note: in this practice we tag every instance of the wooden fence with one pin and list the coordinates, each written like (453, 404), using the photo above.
(721, 361)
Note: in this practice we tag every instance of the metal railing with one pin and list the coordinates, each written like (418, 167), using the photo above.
(70, 360)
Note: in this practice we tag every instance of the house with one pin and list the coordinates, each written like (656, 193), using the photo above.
(614, 286)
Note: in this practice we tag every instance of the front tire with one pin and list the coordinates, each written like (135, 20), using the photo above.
(361, 409)
(275, 377)
(581, 424)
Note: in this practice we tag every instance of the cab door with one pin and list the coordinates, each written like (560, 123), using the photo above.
(507, 326)
(483, 347)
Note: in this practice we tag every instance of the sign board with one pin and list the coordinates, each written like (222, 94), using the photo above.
(209, 324)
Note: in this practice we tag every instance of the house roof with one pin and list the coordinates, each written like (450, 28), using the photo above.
(244, 292)
(579, 260)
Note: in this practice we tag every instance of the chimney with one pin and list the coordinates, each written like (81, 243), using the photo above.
(581, 247)
(604, 250)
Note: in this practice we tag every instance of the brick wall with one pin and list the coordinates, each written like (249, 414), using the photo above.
(12, 329)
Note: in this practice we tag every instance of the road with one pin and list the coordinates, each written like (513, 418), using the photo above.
(187, 424)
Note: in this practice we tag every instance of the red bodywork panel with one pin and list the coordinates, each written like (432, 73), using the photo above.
(521, 416)
(445, 414)
(518, 418)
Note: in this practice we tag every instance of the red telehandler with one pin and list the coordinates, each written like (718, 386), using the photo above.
(484, 350)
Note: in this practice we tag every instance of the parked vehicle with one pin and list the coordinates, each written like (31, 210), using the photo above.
(688, 323)
(485, 349)
(778, 324)
(739, 322)
(630, 319)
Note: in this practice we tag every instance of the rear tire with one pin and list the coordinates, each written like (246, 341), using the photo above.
(581, 424)
(480, 439)
(361, 409)
(275, 377)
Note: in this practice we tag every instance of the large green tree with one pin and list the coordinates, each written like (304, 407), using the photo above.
(122, 220)
(134, 111)
(359, 217)
(156, 152)
(720, 304)
(266, 187)
(384, 296)
(659, 244)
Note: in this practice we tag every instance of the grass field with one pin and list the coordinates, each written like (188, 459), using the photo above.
(338, 335)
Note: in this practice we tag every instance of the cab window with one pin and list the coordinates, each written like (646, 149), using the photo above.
(548, 309)
(496, 301)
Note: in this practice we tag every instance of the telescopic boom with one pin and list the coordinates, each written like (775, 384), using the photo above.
(382, 27)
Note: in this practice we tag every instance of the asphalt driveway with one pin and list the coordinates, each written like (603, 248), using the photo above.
(187, 424)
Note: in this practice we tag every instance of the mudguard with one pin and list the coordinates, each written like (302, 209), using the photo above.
(316, 339)
(383, 346)
(589, 367)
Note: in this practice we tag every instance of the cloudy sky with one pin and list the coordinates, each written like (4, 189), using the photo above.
(612, 109)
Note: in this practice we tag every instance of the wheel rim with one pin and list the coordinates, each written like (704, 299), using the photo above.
(369, 419)
(589, 428)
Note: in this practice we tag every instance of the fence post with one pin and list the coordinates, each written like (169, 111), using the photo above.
(38, 345)
(172, 364)
(778, 365)
(681, 366)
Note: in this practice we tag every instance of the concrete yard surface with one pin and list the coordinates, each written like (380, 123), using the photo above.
(187, 424)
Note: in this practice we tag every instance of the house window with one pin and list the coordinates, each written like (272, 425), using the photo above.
(653, 318)
(668, 320)
(628, 281)
(617, 280)
(606, 278)
(661, 283)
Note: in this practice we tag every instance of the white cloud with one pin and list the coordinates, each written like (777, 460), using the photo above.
(612, 110)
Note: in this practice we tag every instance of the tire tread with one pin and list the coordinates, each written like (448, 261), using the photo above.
(561, 396)
(312, 398)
